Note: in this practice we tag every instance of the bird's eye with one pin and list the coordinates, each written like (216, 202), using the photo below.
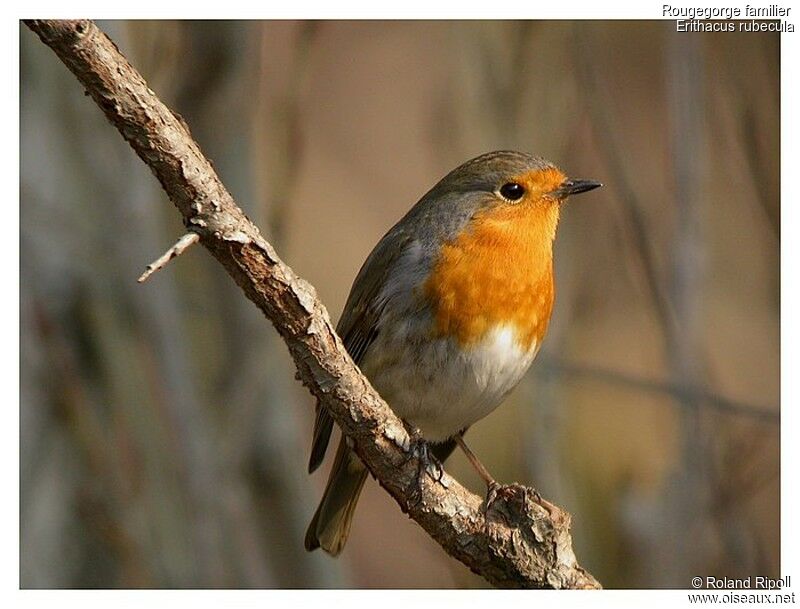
(512, 191)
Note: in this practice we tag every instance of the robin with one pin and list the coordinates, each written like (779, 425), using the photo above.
(447, 313)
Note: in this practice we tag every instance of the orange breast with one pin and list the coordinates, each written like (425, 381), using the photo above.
(498, 271)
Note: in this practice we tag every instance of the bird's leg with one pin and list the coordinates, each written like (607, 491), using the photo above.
(492, 486)
(491, 483)
(479, 467)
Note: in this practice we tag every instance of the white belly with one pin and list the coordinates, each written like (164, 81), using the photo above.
(441, 389)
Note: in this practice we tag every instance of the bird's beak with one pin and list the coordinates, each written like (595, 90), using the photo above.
(574, 187)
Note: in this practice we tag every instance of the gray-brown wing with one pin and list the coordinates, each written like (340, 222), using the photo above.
(358, 325)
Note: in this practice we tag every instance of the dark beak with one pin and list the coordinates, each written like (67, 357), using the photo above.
(574, 187)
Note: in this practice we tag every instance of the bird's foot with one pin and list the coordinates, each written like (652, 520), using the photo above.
(495, 491)
(516, 494)
(427, 463)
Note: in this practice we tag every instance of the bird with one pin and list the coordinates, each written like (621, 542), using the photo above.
(447, 314)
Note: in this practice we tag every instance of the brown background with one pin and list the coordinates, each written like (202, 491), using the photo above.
(164, 440)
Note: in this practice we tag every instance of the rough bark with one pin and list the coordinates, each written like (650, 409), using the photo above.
(516, 542)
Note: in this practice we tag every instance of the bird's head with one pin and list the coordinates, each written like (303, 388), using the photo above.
(509, 187)
(508, 178)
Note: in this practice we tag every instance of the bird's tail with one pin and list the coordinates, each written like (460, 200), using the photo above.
(331, 523)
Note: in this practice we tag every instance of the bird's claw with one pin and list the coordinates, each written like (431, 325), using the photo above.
(493, 490)
(427, 463)
(507, 492)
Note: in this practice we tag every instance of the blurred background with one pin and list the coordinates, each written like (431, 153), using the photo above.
(164, 440)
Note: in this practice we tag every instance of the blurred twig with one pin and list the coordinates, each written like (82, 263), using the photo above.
(690, 500)
(751, 103)
(767, 189)
(286, 150)
(259, 438)
(597, 102)
(516, 542)
(693, 395)
(101, 459)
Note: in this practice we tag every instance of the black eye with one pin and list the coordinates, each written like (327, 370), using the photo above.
(512, 191)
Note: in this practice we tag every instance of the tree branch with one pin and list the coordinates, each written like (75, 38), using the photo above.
(517, 542)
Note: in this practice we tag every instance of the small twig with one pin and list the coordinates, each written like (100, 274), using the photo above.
(181, 245)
